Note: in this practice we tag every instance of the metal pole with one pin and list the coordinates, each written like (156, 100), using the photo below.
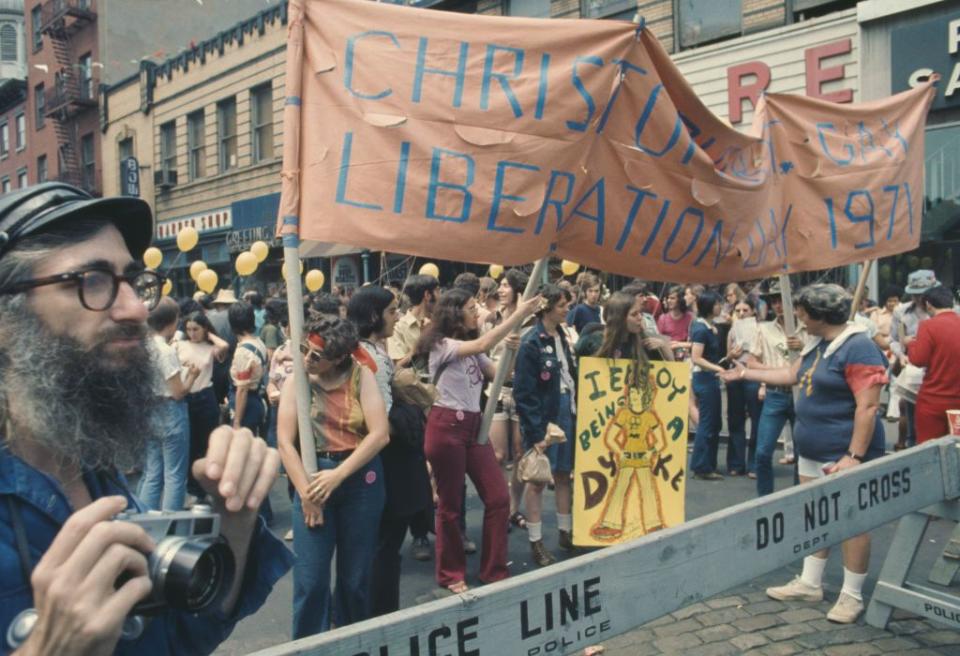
(505, 366)
(308, 448)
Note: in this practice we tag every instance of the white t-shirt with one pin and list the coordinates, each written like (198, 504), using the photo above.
(165, 362)
(199, 355)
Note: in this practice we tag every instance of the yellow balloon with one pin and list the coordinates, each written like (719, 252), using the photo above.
(207, 280)
(496, 270)
(569, 268)
(430, 269)
(260, 250)
(314, 279)
(167, 287)
(152, 257)
(246, 263)
(187, 238)
(196, 268)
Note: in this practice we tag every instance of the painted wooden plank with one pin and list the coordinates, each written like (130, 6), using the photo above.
(586, 600)
(925, 602)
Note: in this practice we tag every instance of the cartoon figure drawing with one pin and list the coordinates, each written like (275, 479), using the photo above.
(632, 438)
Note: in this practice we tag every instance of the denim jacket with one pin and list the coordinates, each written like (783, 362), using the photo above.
(44, 508)
(536, 382)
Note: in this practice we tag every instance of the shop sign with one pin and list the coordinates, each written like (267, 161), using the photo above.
(346, 272)
(918, 51)
(218, 219)
(130, 177)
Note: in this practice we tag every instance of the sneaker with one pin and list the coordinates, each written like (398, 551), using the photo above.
(565, 540)
(709, 476)
(541, 556)
(795, 590)
(288, 536)
(846, 610)
(469, 546)
(421, 549)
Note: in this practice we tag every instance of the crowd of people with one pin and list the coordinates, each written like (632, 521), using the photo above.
(398, 377)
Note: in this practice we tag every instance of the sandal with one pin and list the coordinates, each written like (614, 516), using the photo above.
(787, 461)
(459, 587)
(517, 519)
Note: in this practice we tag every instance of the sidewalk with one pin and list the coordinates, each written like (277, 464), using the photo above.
(748, 622)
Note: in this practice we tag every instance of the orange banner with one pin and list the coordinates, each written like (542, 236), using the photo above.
(492, 139)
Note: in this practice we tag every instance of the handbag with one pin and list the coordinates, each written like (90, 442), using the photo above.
(408, 387)
(534, 467)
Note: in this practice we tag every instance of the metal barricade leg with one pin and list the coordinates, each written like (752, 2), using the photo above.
(899, 559)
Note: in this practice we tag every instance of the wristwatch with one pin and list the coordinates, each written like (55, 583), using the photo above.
(851, 454)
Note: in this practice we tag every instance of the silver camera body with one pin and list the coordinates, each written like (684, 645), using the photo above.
(192, 567)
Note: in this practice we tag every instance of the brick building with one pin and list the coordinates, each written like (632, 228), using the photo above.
(74, 48)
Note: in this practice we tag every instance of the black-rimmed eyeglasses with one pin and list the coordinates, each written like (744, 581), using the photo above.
(98, 287)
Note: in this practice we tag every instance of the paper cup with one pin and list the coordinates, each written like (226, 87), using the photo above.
(953, 420)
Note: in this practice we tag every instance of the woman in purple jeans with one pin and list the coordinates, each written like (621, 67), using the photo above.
(458, 366)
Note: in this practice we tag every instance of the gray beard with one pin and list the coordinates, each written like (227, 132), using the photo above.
(84, 407)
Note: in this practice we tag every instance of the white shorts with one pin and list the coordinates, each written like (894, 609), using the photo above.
(811, 468)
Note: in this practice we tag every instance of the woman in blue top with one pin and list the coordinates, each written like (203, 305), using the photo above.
(840, 374)
(544, 388)
(705, 356)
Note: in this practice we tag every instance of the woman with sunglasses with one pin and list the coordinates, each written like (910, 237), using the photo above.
(458, 366)
(338, 509)
(200, 348)
(743, 396)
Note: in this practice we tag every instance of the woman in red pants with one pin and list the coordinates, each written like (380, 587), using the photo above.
(458, 367)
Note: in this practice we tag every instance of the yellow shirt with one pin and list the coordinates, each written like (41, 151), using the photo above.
(770, 344)
(406, 334)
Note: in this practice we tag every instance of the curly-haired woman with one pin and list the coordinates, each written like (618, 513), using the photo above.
(458, 364)
(339, 508)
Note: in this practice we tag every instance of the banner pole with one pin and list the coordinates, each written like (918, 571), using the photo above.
(289, 227)
(861, 286)
(505, 366)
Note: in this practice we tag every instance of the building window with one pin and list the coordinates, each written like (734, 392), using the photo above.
(22, 179)
(21, 131)
(124, 150)
(168, 146)
(703, 21)
(86, 77)
(227, 133)
(4, 139)
(261, 122)
(87, 162)
(41, 169)
(533, 8)
(5, 184)
(40, 103)
(35, 19)
(8, 43)
(608, 9)
(197, 153)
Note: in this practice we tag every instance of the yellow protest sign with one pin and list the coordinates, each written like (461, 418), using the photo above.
(630, 466)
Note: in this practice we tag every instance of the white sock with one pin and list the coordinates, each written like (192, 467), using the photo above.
(535, 531)
(813, 571)
(853, 583)
(565, 522)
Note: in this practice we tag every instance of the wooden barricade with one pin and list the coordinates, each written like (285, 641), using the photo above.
(586, 600)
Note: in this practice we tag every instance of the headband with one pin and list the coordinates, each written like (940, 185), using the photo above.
(359, 354)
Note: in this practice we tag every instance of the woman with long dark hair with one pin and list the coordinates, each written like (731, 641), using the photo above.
(200, 349)
(458, 365)
(338, 509)
(545, 390)
(705, 355)
(675, 322)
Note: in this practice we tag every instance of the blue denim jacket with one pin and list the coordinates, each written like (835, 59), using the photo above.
(44, 509)
(536, 382)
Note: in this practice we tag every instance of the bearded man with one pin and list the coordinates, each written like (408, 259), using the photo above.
(76, 409)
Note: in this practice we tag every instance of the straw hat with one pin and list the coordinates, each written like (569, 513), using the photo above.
(225, 296)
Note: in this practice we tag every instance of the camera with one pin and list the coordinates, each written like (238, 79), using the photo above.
(192, 567)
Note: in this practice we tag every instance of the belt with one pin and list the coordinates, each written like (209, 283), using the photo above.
(337, 456)
(786, 389)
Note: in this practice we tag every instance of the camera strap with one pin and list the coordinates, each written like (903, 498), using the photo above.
(20, 534)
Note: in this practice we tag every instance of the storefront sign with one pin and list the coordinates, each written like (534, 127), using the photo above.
(219, 219)
(130, 176)
(346, 272)
(920, 50)
(240, 240)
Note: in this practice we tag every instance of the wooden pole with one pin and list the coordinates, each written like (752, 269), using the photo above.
(505, 365)
(789, 318)
(861, 286)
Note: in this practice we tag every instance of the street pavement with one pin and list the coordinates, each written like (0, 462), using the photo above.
(739, 621)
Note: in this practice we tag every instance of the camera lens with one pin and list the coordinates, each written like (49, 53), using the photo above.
(192, 575)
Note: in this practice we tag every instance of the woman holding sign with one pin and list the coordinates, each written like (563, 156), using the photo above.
(458, 366)
(544, 387)
(840, 374)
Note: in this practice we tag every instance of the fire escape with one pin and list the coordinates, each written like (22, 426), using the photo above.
(74, 90)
